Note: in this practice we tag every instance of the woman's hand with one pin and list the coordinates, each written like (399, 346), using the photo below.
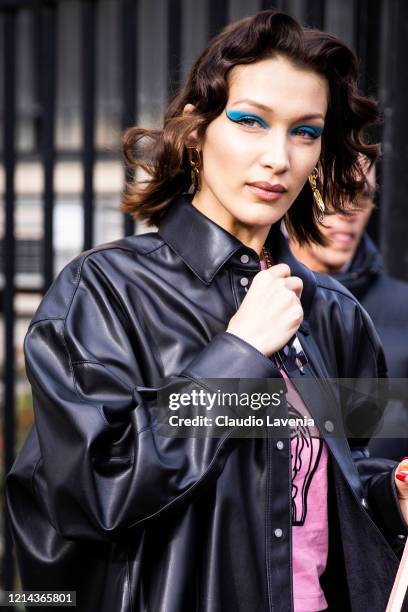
(271, 312)
(401, 480)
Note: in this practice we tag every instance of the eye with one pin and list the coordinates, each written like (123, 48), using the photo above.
(246, 119)
(249, 121)
(307, 132)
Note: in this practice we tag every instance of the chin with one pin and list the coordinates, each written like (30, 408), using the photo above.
(260, 221)
(335, 263)
(259, 216)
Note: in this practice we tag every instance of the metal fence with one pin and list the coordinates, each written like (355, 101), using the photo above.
(370, 26)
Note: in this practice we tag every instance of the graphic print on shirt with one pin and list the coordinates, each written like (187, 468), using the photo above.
(306, 449)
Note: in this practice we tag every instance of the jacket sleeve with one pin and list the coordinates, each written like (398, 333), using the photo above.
(103, 465)
(377, 474)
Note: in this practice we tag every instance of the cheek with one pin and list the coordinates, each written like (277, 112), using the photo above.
(225, 148)
(304, 160)
(325, 231)
(362, 222)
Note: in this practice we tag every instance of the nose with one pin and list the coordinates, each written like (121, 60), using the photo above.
(275, 152)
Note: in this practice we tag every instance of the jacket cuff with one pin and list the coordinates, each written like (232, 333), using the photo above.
(383, 496)
(227, 356)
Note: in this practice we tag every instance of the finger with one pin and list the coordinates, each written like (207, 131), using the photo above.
(402, 491)
(295, 284)
(402, 471)
(403, 465)
(279, 271)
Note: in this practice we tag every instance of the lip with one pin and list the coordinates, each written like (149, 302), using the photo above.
(343, 238)
(267, 191)
(266, 186)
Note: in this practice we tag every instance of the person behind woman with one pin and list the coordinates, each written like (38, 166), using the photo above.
(99, 500)
(353, 259)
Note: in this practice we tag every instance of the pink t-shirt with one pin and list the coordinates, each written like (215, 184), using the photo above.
(310, 532)
(309, 509)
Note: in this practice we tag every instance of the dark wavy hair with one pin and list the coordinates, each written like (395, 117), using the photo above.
(162, 153)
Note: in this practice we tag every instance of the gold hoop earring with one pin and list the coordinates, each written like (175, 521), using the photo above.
(195, 160)
(316, 195)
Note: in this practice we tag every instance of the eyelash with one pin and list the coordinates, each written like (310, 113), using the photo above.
(244, 119)
(241, 119)
(312, 133)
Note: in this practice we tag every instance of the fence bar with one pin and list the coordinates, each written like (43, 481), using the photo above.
(174, 47)
(48, 73)
(88, 115)
(9, 87)
(394, 220)
(129, 84)
(276, 4)
(315, 12)
(18, 4)
(218, 16)
(367, 33)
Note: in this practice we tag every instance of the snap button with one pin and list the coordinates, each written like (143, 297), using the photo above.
(280, 445)
(244, 258)
(364, 503)
(329, 426)
(278, 533)
(244, 281)
(401, 536)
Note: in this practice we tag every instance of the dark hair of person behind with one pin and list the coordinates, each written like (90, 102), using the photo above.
(162, 153)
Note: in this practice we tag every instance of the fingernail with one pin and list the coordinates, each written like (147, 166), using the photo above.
(402, 477)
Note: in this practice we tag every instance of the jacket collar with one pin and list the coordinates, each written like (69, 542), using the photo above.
(205, 246)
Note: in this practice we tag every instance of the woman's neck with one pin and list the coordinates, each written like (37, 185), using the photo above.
(251, 236)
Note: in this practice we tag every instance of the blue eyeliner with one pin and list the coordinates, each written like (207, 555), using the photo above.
(237, 116)
(313, 130)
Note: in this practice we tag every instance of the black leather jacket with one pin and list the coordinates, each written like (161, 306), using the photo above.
(100, 503)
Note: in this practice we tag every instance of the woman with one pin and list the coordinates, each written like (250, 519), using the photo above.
(100, 501)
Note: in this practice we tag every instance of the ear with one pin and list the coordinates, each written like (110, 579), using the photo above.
(192, 140)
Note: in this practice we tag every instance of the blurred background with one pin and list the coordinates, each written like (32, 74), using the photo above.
(73, 75)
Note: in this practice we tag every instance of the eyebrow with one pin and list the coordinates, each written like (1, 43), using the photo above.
(267, 109)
